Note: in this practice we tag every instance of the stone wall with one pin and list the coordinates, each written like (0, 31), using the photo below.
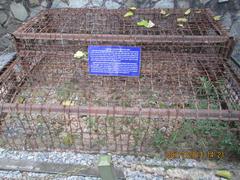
(14, 12)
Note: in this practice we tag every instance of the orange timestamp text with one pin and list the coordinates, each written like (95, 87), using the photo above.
(194, 154)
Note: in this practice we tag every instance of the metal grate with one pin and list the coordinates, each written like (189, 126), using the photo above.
(68, 29)
(185, 79)
(102, 21)
(167, 80)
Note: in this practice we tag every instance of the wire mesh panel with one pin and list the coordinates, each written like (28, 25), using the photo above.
(167, 80)
(119, 114)
(69, 29)
(186, 90)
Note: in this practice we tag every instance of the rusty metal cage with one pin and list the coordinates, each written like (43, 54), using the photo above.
(68, 29)
(185, 84)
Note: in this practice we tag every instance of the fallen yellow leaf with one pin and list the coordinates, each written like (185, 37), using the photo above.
(150, 24)
(133, 8)
(198, 11)
(147, 24)
(217, 18)
(181, 19)
(163, 12)
(168, 14)
(68, 103)
(79, 54)
(180, 25)
(224, 173)
(128, 14)
(21, 100)
(187, 12)
(142, 23)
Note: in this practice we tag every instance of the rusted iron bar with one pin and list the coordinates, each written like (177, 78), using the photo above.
(125, 112)
(125, 38)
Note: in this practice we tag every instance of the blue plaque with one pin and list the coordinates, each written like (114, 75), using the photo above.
(114, 60)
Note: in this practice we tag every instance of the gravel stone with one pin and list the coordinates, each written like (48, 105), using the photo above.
(183, 4)
(204, 1)
(238, 14)
(227, 20)
(77, 4)
(160, 171)
(3, 1)
(222, 1)
(3, 17)
(2, 31)
(236, 53)
(5, 42)
(235, 30)
(193, 173)
(44, 4)
(59, 4)
(12, 24)
(97, 3)
(165, 4)
(19, 11)
(112, 5)
(130, 3)
(133, 167)
(129, 158)
(35, 11)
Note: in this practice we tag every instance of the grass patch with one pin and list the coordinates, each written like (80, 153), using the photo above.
(201, 135)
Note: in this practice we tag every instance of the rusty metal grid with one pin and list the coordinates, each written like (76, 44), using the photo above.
(116, 114)
(185, 83)
(67, 29)
(103, 21)
(168, 80)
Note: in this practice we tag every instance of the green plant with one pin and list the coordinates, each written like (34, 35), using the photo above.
(91, 123)
(21, 99)
(126, 102)
(210, 127)
(233, 106)
(99, 101)
(218, 135)
(110, 121)
(153, 99)
(162, 105)
(65, 91)
(129, 120)
(207, 88)
(159, 140)
(202, 135)
(137, 135)
(67, 139)
(208, 95)
(100, 142)
(230, 142)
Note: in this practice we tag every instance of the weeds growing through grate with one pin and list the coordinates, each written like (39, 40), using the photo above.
(201, 135)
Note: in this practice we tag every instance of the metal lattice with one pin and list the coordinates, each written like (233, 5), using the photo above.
(184, 77)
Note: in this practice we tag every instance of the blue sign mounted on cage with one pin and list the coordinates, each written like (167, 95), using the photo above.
(114, 60)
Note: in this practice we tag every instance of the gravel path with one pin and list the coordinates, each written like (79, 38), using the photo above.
(134, 167)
